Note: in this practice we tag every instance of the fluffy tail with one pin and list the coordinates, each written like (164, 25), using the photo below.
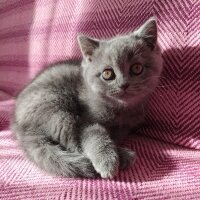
(53, 158)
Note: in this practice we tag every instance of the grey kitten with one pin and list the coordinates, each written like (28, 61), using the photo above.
(70, 118)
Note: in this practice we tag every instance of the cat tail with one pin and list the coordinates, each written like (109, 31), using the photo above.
(53, 158)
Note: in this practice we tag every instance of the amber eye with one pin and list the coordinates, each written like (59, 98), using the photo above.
(136, 69)
(108, 74)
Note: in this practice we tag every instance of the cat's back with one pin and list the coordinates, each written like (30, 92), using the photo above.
(54, 88)
(64, 76)
(59, 75)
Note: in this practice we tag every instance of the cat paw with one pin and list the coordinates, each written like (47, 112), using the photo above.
(107, 165)
(126, 157)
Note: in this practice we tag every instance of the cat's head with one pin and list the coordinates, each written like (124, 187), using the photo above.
(125, 68)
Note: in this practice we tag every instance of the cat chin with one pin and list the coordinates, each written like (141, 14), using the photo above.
(131, 99)
(125, 100)
(125, 96)
(128, 102)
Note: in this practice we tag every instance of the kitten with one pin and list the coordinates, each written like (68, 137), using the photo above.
(70, 118)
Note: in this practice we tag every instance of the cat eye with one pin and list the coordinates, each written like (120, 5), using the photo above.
(108, 74)
(136, 69)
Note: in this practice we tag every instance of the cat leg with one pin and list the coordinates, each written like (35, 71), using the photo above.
(62, 128)
(100, 149)
(118, 134)
(126, 157)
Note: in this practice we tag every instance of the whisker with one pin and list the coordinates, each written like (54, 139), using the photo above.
(143, 82)
(143, 108)
(114, 91)
(160, 86)
(160, 77)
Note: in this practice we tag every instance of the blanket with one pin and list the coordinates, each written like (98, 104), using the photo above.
(34, 33)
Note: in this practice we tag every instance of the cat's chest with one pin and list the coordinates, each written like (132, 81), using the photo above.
(104, 115)
(129, 117)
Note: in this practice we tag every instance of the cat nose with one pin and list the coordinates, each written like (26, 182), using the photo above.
(124, 86)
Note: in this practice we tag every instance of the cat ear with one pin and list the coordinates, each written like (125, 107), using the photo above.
(148, 32)
(87, 45)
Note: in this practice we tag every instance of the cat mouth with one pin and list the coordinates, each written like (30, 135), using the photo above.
(124, 94)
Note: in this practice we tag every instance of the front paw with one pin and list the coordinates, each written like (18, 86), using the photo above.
(126, 157)
(107, 164)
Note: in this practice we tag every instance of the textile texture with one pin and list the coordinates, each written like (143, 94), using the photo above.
(34, 33)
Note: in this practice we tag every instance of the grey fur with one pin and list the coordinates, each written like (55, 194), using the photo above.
(69, 120)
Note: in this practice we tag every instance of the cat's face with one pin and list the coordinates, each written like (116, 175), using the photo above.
(125, 68)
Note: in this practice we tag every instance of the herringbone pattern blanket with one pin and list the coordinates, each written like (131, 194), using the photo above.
(34, 33)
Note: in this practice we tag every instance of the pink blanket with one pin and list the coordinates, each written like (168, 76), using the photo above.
(34, 33)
